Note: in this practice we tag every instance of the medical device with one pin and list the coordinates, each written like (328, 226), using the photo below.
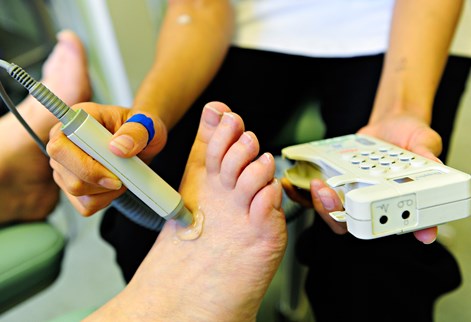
(385, 189)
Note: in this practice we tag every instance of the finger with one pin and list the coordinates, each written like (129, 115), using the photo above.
(301, 196)
(70, 161)
(70, 183)
(325, 201)
(89, 205)
(324, 198)
(75, 202)
(93, 203)
(426, 153)
(428, 144)
(140, 134)
(133, 136)
(427, 236)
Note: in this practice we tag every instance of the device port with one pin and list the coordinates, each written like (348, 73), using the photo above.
(383, 219)
(405, 214)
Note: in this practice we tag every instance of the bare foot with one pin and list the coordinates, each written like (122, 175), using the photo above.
(65, 73)
(224, 274)
(27, 190)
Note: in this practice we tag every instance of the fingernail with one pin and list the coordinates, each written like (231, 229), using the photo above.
(426, 236)
(326, 199)
(109, 183)
(124, 143)
(212, 116)
(316, 184)
(428, 241)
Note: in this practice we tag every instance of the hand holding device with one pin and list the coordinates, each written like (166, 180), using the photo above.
(154, 194)
(385, 189)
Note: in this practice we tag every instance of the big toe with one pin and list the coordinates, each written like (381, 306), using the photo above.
(72, 40)
(210, 119)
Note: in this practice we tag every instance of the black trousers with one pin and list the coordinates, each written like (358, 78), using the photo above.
(348, 279)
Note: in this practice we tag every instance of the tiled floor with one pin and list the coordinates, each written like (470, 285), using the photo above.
(89, 276)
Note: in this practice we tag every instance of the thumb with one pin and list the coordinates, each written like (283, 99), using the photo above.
(133, 136)
(129, 140)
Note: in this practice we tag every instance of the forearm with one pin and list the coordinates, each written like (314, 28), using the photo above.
(193, 41)
(420, 37)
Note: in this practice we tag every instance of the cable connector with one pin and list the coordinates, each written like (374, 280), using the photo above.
(47, 98)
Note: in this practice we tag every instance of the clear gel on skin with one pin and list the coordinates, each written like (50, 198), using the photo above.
(192, 231)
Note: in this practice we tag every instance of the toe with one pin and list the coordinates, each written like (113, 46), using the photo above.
(226, 134)
(240, 155)
(253, 178)
(266, 211)
(210, 119)
(70, 38)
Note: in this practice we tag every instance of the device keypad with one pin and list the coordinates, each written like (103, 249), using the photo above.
(382, 160)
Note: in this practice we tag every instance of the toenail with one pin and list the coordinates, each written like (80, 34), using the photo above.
(227, 118)
(246, 139)
(213, 116)
(266, 158)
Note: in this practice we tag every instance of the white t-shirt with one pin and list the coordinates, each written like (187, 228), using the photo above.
(322, 28)
(461, 44)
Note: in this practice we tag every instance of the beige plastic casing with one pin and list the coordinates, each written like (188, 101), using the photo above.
(385, 189)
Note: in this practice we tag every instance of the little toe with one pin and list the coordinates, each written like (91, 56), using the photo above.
(266, 205)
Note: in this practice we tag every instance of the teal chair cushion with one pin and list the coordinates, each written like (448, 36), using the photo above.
(30, 259)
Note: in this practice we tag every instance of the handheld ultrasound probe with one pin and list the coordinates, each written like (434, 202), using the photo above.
(147, 193)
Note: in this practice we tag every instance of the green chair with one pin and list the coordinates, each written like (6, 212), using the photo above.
(30, 253)
(30, 260)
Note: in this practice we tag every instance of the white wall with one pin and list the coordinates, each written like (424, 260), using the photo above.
(120, 40)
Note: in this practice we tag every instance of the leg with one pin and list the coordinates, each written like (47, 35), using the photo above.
(27, 191)
(223, 274)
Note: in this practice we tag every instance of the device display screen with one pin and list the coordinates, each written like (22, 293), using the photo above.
(403, 180)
